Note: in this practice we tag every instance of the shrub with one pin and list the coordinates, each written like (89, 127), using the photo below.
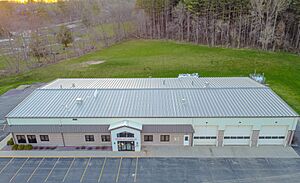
(15, 147)
(28, 147)
(21, 147)
(10, 142)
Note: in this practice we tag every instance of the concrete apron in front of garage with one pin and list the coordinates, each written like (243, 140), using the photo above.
(173, 151)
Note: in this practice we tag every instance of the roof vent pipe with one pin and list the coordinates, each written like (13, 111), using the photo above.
(79, 101)
(73, 85)
(164, 82)
(183, 100)
(60, 86)
(206, 84)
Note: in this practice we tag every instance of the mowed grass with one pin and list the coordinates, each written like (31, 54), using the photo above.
(152, 58)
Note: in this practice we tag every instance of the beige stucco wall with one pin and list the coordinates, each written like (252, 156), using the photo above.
(175, 139)
(78, 139)
(257, 123)
(55, 139)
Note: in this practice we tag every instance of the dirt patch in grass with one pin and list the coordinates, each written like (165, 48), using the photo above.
(93, 62)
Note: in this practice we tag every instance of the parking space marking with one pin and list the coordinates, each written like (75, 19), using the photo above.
(85, 169)
(35, 170)
(136, 166)
(117, 178)
(68, 170)
(6, 165)
(52, 170)
(18, 170)
(101, 172)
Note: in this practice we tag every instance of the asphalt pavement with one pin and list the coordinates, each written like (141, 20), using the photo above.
(149, 170)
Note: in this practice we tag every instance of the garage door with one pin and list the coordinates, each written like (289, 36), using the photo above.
(237, 135)
(272, 135)
(205, 135)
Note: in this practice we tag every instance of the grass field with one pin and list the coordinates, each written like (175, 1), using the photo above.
(144, 58)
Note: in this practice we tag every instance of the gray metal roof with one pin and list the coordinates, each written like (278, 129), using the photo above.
(168, 129)
(93, 129)
(142, 83)
(144, 103)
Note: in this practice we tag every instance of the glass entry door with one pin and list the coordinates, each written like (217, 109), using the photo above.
(125, 145)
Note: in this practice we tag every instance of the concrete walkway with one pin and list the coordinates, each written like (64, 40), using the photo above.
(188, 152)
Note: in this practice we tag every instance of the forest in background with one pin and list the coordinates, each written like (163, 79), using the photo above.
(37, 34)
(260, 24)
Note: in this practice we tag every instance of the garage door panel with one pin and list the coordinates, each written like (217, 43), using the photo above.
(205, 135)
(237, 135)
(272, 135)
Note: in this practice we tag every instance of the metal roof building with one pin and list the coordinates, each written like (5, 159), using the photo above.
(208, 111)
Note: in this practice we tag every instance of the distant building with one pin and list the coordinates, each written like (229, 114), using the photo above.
(127, 114)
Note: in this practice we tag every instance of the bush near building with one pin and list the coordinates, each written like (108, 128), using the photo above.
(22, 147)
(10, 142)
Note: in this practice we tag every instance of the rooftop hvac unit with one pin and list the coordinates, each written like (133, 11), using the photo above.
(258, 77)
(79, 101)
(193, 75)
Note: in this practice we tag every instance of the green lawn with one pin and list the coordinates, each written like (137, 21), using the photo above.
(144, 58)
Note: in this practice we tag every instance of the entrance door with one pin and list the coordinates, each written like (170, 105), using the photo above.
(125, 145)
(186, 140)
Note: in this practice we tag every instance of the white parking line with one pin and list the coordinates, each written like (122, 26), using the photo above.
(18, 170)
(52, 170)
(85, 169)
(6, 165)
(35, 170)
(117, 178)
(102, 170)
(68, 170)
(136, 166)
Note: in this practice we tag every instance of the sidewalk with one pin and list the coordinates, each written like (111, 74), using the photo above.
(185, 152)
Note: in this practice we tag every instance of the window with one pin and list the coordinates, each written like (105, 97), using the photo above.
(272, 137)
(148, 138)
(31, 139)
(89, 138)
(125, 134)
(237, 137)
(205, 137)
(21, 139)
(105, 138)
(44, 138)
(165, 138)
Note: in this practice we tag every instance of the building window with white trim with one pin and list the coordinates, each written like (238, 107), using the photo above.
(125, 134)
(21, 139)
(165, 138)
(31, 139)
(89, 138)
(148, 138)
(105, 138)
(44, 138)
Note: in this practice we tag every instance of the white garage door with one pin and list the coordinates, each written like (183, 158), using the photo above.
(272, 135)
(237, 135)
(205, 135)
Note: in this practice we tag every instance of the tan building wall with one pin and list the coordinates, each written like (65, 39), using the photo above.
(55, 139)
(78, 139)
(175, 139)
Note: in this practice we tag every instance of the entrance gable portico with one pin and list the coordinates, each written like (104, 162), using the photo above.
(126, 136)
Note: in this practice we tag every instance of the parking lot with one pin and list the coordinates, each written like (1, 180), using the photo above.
(143, 170)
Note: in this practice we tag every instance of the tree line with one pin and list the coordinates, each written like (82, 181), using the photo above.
(261, 24)
(37, 34)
